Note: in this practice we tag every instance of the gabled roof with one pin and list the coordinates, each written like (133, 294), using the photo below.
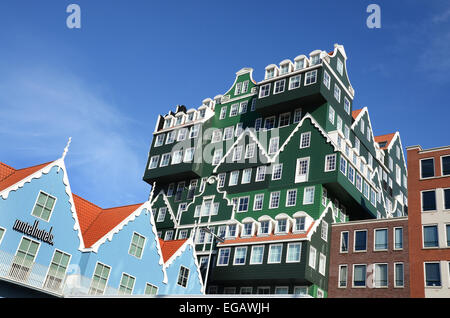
(96, 222)
(384, 140)
(169, 248)
(10, 176)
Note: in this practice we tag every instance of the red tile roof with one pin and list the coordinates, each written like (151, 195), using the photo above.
(10, 176)
(96, 222)
(169, 248)
(384, 138)
(355, 113)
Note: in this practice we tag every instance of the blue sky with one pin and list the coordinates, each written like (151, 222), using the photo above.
(105, 84)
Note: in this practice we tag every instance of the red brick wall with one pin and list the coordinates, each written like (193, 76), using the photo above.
(417, 254)
(370, 257)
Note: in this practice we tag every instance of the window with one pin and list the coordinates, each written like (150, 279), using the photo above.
(189, 155)
(240, 254)
(337, 93)
(380, 278)
(331, 114)
(239, 129)
(269, 123)
(216, 136)
(277, 171)
(305, 140)
(299, 64)
(2, 232)
(311, 77)
(257, 255)
(224, 256)
(221, 177)
(359, 275)
(258, 123)
(275, 254)
(302, 170)
(264, 91)
(445, 163)
(294, 82)
(228, 133)
(360, 241)
(234, 177)
(182, 133)
(429, 200)
(312, 257)
(229, 290)
(282, 226)
(217, 156)
(194, 131)
(170, 137)
(126, 284)
(398, 238)
(322, 263)
(330, 162)
(234, 109)
(339, 123)
(324, 231)
(161, 214)
(260, 173)
(447, 199)
(291, 197)
(324, 196)
(346, 105)
(44, 206)
(182, 234)
(99, 279)
(159, 140)
(447, 231)
(326, 79)
(248, 229)
(231, 230)
(399, 276)
(150, 289)
(238, 88)
(315, 59)
(136, 245)
(165, 159)
(168, 236)
(358, 182)
(432, 275)
(264, 227)
(300, 290)
(273, 145)
(427, 168)
(177, 157)
(274, 200)
(270, 73)
(381, 239)
(344, 242)
(430, 236)
(308, 195)
(284, 69)
(279, 86)
(343, 273)
(244, 87)
(284, 120)
(246, 176)
(57, 270)
(223, 112)
(351, 174)
(258, 203)
(179, 192)
(183, 276)
(246, 290)
(237, 153)
(281, 290)
(153, 163)
(243, 204)
(250, 150)
(297, 115)
(340, 66)
(299, 224)
(293, 252)
(343, 166)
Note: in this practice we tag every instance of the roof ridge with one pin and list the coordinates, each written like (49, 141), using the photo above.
(123, 206)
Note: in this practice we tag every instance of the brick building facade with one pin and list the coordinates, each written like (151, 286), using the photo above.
(369, 258)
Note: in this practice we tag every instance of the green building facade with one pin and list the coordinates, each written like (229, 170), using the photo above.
(267, 167)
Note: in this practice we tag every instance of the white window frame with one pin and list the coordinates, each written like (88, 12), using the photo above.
(269, 261)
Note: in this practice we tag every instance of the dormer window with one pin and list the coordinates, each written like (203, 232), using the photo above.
(167, 123)
(300, 64)
(282, 226)
(340, 66)
(284, 69)
(190, 117)
(231, 230)
(179, 120)
(270, 73)
(315, 59)
(299, 224)
(264, 228)
(201, 113)
(248, 229)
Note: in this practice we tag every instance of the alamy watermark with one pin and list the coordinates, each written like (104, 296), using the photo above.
(374, 19)
(73, 21)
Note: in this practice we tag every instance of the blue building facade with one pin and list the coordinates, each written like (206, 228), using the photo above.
(57, 244)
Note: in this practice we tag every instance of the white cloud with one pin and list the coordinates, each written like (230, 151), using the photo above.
(42, 109)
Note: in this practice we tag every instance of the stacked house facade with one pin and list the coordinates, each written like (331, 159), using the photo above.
(258, 175)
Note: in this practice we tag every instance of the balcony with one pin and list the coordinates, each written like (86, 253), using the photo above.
(173, 173)
(21, 271)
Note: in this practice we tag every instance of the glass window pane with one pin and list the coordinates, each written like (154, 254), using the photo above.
(432, 274)
(427, 168)
(429, 200)
(360, 240)
(430, 236)
(447, 199)
(381, 239)
(446, 165)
